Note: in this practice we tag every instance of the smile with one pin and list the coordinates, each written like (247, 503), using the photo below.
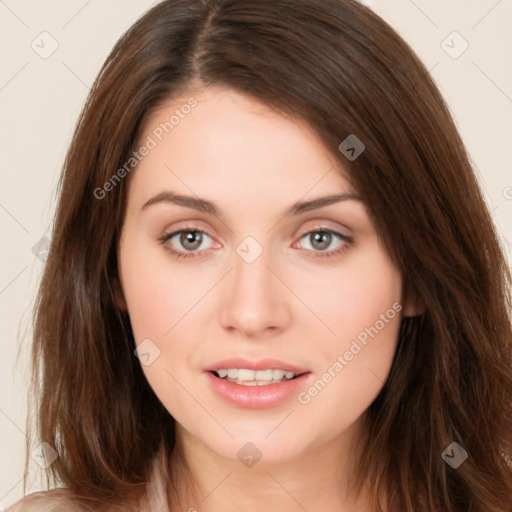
(254, 393)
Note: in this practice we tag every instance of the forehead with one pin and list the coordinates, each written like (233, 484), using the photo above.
(228, 144)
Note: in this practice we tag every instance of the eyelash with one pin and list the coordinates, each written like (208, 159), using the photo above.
(317, 254)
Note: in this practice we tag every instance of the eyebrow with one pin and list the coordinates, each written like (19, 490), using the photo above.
(203, 205)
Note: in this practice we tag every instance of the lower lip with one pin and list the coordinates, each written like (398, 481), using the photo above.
(256, 397)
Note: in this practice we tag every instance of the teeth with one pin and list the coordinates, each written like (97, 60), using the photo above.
(255, 382)
(254, 377)
(262, 375)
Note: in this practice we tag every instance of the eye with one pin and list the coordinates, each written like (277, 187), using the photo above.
(320, 239)
(190, 240)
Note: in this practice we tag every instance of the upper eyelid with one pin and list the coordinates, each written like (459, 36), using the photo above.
(189, 226)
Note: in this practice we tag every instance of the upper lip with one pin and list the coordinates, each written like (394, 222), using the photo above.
(260, 364)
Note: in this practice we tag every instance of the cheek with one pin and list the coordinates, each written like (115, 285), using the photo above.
(362, 305)
(353, 296)
(355, 372)
(158, 292)
(158, 297)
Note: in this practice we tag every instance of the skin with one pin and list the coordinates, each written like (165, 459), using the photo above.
(254, 163)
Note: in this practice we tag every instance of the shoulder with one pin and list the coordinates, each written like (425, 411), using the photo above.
(63, 500)
(54, 500)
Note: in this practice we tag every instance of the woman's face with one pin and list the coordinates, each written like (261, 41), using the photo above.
(306, 289)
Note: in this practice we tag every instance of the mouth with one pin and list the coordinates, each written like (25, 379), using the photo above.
(257, 391)
(256, 384)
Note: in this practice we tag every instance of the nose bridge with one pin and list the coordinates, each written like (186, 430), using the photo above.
(255, 298)
(251, 274)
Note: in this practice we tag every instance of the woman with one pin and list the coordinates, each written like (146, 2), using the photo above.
(336, 337)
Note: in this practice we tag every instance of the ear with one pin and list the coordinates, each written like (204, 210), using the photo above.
(119, 295)
(413, 305)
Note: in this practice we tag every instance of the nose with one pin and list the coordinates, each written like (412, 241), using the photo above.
(255, 301)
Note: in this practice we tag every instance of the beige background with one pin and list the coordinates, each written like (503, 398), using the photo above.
(40, 99)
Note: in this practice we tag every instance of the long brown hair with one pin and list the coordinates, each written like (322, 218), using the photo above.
(338, 66)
